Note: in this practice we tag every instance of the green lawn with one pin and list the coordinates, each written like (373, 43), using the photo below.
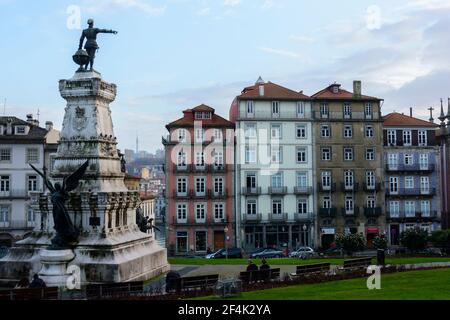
(412, 285)
(288, 261)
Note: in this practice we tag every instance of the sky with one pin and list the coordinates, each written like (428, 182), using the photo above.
(170, 55)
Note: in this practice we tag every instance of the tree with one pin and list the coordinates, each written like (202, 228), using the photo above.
(380, 241)
(414, 239)
(441, 239)
(351, 243)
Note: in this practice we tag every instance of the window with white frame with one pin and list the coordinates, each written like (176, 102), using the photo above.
(250, 130)
(324, 110)
(325, 131)
(5, 154)
(200, 186)
(369, 133)
(394, 209)
(32, 183)
(393, 184)
(425, 185)
(200, 212)
(370, 180)
(347, 111)
(275, 109)
(250, 108)
(392, 137)
(410, 208)
(370, 154)
(276, 180)
(181, 159)
(200, 159)
(302, 179)
(4, 215)
(219, 211)
(218, 135)
(348, 154)
(300, 130)
(4, 183)
(275, 131)
(423, 161)
(348, 131)
(370, 201)
(408, 159)
(349, 204)
(251, 207)
(250, 154)
(182, 186)
(425, 208)
(348, 178)
(31, 216)
(277, 206)
(325, 153)
(219, 186)
(302, 206)
(199, 135)
(32, 155)
(393, 160)
(300, 109)
(181, 135)
(409, 182)
(326, 202)
(422, 137)
(407, 141)
(276, 154)
(326, 180)
(181, 212)
(218, 159)
(368, 110)
(21, 130)
(301, 155)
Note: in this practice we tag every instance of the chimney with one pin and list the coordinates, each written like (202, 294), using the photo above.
(410, 112)
(32, 121)
(357, 91)
(49, 125)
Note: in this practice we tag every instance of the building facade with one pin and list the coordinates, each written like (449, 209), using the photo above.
(199, 182)
(411, 159)
(348, 152)
(21, 143)
(274, 167)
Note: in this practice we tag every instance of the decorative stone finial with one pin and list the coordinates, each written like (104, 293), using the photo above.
(442, 116)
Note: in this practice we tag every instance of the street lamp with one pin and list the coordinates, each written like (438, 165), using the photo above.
(226, 249)
(304, 234)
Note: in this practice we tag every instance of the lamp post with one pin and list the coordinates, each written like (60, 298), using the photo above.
(304, 234)
(226, 247)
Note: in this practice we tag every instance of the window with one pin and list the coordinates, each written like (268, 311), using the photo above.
(425, 185)
(32, 183)
(21, 130)
(199, 159)
(325, 131)
(422, 135)
(393, 160)
(349, 205)
(182, 212)
(423, 161)
(218, 159)
(199, 135)
(4, 183)
(275, 131)
(202, 115)
(182, 241)
(181, 135)
(393, 184)
(31, 216)
(32, 155)
(250, 130)
(218, 135)
(348, 131)
(370, 154)
(300, 109)
(425, 208)
(275, 109)
(408, 159)
(4, 215)
(394, 209)
(251, 207)
(200, 186)
(324, 111)
(302, 179)
(370, 180)
(301, 155)
(326, 154)
(409, 182)
(348, 154)
(250, 109)
(368, 110)
(5, 154)
(200, 212)
(300, 131)
(218, 186)
(410, 209)
(392, 137)
(326, 180)
(326, 202)
(347, 111)
(277, 180)
(369, 132)
(250, 155)
(277, 206)
(406, 137)
(348, 179)
(182, 186)
(200, 241)
(251, 180)
(302, 206)
(370, 201)
(276, 154)
(219, 211)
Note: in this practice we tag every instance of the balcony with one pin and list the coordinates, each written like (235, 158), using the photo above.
(303, 190)
(251, 191)
(183, 195)
(201, 168)
(17, 194)
(339, 115)
(202, 195)
(330, 188)
(251, 218)
(413, 216)
(17, 225)
(349, 188)
(191, 221)
(404, 192)
(327, 212)
(371, 187)
(350, 213)
(182, 169)
(416, 167)
(219, 195)
(303, 217)
(372, 212)
(277, 190)
(278, 217)
(219, 168)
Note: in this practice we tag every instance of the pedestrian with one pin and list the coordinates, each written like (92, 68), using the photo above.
(252, 266)
(37, 282)
(264, 265)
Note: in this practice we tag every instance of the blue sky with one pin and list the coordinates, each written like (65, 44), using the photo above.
(170, 55)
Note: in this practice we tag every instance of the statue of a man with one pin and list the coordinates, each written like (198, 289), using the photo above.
(91, 45)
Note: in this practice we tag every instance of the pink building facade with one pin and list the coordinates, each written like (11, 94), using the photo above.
(199, 153)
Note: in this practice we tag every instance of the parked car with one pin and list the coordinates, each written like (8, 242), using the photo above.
(258, 250)
(437, 252)
(333, 252)
(268, 253)
(302, 252)
(232, 253)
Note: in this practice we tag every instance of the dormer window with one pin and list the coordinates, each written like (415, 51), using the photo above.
(21, 130)
(335, 88)
(202, 115)
(2, 130)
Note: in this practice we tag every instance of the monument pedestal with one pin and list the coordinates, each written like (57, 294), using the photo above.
(54, 266)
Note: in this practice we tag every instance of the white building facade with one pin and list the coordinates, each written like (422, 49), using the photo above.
(274, 167)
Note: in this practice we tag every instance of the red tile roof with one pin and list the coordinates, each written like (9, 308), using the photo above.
(271, 91)
(396, 119)
(189, 119)
(342, 94)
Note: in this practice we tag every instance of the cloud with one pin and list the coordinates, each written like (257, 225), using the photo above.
(267, 4)
(231, 3)
(280, 52)
(204, 12)
(98, 6)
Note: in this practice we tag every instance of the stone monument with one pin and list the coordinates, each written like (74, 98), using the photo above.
(110, 245)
